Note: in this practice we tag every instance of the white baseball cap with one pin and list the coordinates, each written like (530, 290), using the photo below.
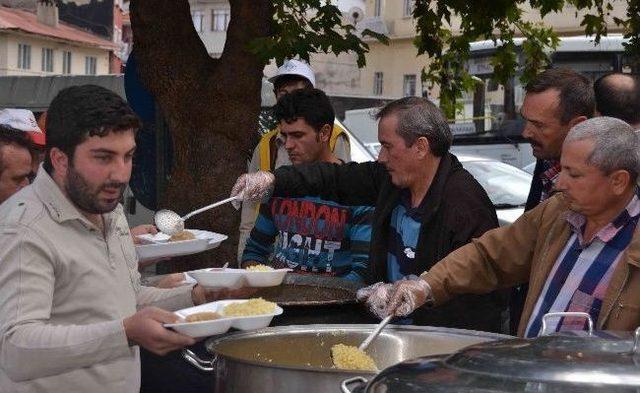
(295, 67)
(22, 120)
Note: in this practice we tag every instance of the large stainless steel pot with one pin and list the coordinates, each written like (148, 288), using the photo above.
(573, 362)
(297, 358)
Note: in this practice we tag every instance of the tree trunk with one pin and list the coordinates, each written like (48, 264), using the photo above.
(211, 107)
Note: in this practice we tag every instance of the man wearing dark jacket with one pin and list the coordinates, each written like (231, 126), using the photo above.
(426, 204)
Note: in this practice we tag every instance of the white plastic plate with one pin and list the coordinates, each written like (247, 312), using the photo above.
(237, 278)
(219, 278)
(221, 325)
(159, 246)
(249, 322)
(270, 278)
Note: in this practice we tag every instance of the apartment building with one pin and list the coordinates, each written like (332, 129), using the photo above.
(37, 43)
(211, 19)
(395, 70)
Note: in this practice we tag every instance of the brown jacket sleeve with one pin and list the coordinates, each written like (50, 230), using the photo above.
(501, 258)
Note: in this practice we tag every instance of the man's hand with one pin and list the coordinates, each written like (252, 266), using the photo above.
(376, 297)
(200, 295)
(253, 187)
(172, 281)
(407, 295)
(142, 230)
(145, 329)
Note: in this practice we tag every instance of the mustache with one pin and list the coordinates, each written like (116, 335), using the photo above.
(120, 186)
(532, 142)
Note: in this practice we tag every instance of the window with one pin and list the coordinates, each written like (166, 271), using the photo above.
(408, 7)
(24, 56)
(66, 62)
(220, 20)
(377, 7)
(90, 65)
(409, 86)
(198, 20)
(47, 60)
(377, 83)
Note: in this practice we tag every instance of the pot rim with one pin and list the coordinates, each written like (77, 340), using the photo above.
(212, 342)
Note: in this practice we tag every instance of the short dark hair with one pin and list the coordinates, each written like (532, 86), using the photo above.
(617, 100)
(78, 112)
(576, 93)
(312, 105)
(290, 78)
(419, 117)
(11, 136)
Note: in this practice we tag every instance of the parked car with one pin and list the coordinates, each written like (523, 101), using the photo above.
(506, 185)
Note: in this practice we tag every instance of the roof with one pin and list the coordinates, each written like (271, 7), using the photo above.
(608, 43)
(27, 22)
(36, 92)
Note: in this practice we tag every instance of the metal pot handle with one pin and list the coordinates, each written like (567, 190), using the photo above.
(345, 384)
(636, 342)
(202, 365)
(565, 314)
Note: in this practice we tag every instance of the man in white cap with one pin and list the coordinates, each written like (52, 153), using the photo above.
(270, 152)
(19, 132)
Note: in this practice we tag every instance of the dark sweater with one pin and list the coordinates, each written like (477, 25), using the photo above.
(458, 209)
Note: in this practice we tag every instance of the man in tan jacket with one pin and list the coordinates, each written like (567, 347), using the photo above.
(579, 250)
(72, 310)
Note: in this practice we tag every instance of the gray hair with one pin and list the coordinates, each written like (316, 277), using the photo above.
(616, 144)
(419, 117)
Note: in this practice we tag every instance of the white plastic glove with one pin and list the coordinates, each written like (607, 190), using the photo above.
(376, 297)
(407, 295)
(256, 186)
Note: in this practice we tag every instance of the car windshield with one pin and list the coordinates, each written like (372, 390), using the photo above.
(506, 185)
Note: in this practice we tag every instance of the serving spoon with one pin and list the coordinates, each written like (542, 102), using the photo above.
(170, 222)
(375, 333)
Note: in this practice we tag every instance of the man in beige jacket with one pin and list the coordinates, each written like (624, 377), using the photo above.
(579, 250)
(72, 310)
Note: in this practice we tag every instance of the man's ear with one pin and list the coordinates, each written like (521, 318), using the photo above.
(325, 133)
(59, 160)
(422, 146)
(620, 181)
(576, 120)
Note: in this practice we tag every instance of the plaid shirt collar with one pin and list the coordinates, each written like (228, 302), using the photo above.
(549, 177)
(632, 210)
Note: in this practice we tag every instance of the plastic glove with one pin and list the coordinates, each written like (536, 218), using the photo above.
(256, 186)
(376, 297)
(407, 295)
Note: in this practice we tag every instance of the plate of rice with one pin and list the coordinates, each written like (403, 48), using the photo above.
(218, 317)
(257, 276)
(189, 241)
(264, 276)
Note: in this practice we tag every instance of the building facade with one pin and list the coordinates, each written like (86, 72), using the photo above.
(37, 43)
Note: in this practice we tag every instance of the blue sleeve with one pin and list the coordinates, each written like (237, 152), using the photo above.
(260, 242)
(360, 238)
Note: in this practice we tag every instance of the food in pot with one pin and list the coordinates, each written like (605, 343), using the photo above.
(348, 357)
(250, 307)
(181, 236)
(259, 268)
(203, 316)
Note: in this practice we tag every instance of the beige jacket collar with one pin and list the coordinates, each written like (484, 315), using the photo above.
(60, 208)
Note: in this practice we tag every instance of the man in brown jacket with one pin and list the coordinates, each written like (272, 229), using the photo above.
(579, 250)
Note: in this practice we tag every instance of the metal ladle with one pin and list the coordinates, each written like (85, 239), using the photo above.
(170, 223)
(367, 341)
